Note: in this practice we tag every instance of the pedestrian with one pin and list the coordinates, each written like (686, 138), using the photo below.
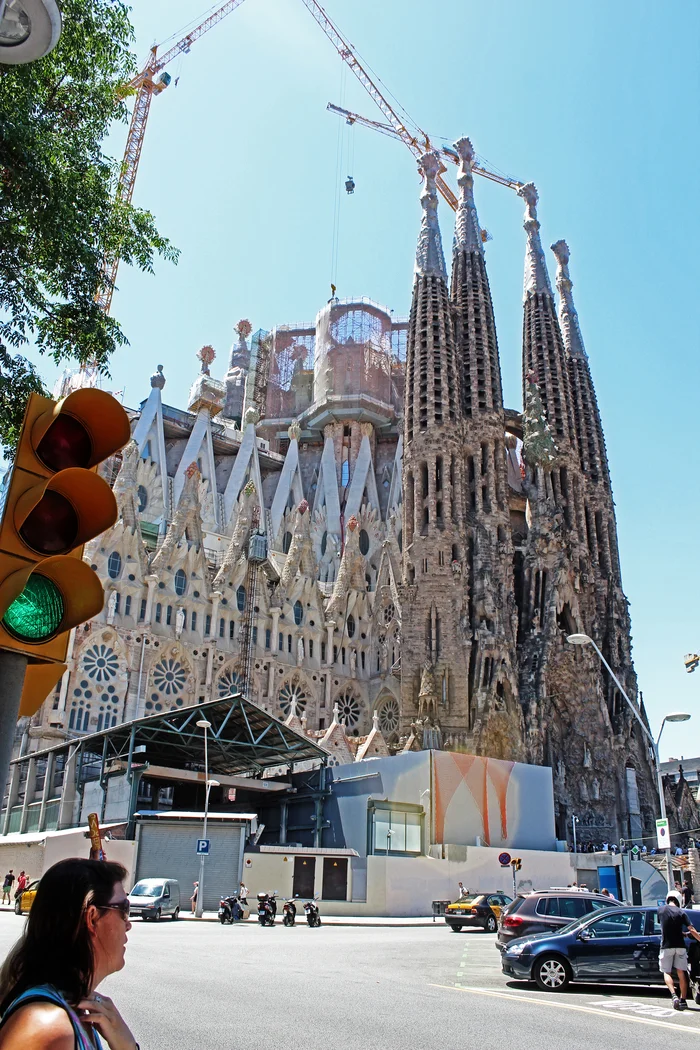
(22, 882)
(605, 892)
(243, 892)
(678, 851)
(193, 898)
(75, 936)
(687, 895)
(462, 892)
(7, 886)
(673, 954)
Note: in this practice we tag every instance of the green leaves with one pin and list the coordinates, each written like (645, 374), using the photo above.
(58, 213)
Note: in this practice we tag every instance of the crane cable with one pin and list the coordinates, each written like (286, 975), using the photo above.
(339, 156)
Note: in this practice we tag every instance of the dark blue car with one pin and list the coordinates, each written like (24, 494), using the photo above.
(620, 946)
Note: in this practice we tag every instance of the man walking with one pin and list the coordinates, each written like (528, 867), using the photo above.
(7, 886)
(462, 892)
(673, 954)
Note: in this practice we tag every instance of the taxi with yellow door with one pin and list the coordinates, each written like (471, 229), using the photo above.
(477, 909)
(25, 899)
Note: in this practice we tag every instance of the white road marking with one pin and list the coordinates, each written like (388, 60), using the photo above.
(636, 1007)
(569, 1006)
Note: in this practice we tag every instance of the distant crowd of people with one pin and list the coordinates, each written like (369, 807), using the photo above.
(679, 850)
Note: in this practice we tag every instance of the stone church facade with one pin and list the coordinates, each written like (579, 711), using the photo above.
(427, 549)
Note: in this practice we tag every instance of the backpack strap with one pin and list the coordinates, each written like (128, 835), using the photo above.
(46, 993)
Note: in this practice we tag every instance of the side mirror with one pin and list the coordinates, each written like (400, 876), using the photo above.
(583, 935)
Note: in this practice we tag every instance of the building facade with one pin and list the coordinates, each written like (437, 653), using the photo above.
(425, 550)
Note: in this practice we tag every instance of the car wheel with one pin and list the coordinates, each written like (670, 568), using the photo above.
(176, 915)
(156, 915)
(491, 925)
(552, 973)
(18, 907)
(455, 929)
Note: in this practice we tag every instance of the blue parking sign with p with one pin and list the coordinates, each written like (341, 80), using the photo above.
(202, 847)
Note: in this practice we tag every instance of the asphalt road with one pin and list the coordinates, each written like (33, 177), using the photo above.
(201, 986)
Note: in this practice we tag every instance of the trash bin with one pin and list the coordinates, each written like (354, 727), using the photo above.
(439, 908)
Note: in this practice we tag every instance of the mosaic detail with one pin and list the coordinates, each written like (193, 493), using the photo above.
(101, 663)
(169, 676)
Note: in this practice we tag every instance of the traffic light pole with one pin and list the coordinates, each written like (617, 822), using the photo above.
(12, 670)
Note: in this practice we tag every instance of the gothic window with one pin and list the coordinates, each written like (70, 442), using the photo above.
(324, 543)
(348, 708)
(389, 613)
(287, 542)
(231, 629)
(345, 474)
(169, 676)
(222, 627)
(311, 648)
(117, 602)
(298, 613)
(399, 539)
(350, 625)
(127, 605)
(180, 583)
(169, 615)
(323, 652)
(230, 682)
(114, 565)
(100, 663)
(207, 625)
(289, 643)
(142, 610)
(254, 635)
(280, 642)
(364, 541)
(268, 637)
(292, 691)
(389, 716)
(240, 598)
(142, 496)
(193, 622)
(159, 612)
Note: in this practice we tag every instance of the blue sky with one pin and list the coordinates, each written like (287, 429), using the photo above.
(597, 103)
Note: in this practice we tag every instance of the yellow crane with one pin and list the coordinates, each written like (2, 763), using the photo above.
(424, 145)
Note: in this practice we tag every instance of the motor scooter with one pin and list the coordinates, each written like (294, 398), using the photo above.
(267, 908)
(313, 916)
(289, 912)
(231, 910)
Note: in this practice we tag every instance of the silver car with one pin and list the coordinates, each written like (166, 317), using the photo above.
(155, 898)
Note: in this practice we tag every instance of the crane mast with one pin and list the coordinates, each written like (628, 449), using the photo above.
(147, 84)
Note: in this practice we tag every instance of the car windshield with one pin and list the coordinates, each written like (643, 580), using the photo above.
(147, 889)
(469, 900)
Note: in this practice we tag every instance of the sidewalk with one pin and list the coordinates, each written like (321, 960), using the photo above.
(340, 920)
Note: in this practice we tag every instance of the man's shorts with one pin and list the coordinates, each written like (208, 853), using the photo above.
(673, 959)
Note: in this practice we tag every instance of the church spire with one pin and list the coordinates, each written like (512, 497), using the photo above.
(467, 236)
(430, 261)
(536, 276)
(568, 318)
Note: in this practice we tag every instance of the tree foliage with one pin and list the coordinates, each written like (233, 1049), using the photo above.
(58, 213)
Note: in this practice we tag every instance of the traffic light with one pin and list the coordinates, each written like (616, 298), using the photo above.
(55, 502)
(516, 863)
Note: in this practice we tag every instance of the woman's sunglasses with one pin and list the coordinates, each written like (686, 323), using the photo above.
(121, 906)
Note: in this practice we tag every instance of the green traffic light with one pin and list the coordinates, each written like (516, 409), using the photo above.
(36, 614)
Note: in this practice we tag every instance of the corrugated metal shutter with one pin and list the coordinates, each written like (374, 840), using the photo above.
(168, 850)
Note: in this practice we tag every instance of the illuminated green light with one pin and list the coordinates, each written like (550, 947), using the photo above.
(36, 615)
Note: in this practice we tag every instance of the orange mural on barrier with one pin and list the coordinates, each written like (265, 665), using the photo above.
(450, 770)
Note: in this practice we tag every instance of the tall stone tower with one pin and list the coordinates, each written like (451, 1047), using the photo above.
(494, 714)
(435, 645)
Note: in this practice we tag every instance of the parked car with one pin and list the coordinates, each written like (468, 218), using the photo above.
(24, 901)
(547, 911)
(155, 898)
(618, 945)
(478, 909)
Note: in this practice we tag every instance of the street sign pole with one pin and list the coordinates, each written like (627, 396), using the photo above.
(12, 670)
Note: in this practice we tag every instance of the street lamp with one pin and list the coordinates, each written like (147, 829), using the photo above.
(574, 822)
(29, 29)
(678, 716)
(205, 725)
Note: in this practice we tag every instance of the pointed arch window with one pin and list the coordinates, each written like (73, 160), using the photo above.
(298, 613)
(350, 624)
(180, 583)
(345, 474)
(159, 612)
(114, 565)
(364, 541)
(240, 598)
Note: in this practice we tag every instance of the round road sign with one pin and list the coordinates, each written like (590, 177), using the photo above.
(504, 859)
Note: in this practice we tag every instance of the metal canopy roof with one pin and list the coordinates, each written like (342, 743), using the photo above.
(243, 739)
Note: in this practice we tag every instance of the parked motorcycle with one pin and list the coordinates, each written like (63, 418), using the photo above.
(230, 910)
(289, 912)
(267, 908)
(313, 915)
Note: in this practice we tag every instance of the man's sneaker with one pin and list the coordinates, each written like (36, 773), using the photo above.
(682, 1004)
(677, 1003)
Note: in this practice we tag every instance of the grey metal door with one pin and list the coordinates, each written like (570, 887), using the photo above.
(168, 850)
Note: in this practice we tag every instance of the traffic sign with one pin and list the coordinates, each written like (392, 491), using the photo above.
(202, 847)
(504, 859)
(635, 850)
(662, 836)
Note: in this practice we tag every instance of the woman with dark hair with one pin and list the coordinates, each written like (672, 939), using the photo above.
(75, 936)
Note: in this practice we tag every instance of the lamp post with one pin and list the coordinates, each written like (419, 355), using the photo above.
(205, 725)
(574, 822)
(678, 716)
(29, 29)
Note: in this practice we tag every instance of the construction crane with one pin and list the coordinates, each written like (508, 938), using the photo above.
(445, 151)
(146, 84)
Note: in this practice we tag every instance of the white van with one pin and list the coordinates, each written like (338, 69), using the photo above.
(155, 898)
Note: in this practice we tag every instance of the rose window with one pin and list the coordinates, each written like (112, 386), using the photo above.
(230, 682)
(101, 663)
(389, 613)
(348, 709)
(389, 716)
(169, 676)
(292, 691)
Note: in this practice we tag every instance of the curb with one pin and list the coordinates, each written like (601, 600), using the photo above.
(336, 920)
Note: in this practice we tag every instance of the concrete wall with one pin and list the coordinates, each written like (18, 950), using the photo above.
(36, 856)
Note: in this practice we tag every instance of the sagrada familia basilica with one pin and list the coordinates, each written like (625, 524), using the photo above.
(422, 550)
